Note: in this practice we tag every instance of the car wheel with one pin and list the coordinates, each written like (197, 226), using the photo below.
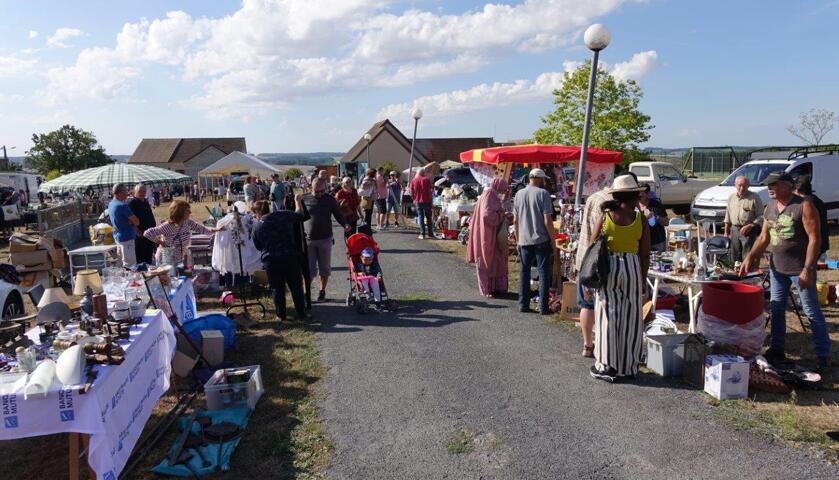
(13, 307)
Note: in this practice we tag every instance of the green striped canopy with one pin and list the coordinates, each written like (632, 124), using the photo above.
(104, 178)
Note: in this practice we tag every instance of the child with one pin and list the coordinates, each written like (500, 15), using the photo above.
(369, 274)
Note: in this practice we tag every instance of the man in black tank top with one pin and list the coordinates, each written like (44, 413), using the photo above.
(791, 232)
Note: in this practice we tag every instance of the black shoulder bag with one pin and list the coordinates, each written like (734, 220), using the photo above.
(595, 266)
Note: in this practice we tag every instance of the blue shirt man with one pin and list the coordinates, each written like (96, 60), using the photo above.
(124, 222)
(278, 193)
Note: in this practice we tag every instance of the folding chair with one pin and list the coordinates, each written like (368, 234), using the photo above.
(793, 289)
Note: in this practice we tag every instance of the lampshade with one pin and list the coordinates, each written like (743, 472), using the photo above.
(52, 295)
(87, 278)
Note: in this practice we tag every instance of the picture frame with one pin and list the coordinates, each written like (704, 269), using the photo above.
(158, 295)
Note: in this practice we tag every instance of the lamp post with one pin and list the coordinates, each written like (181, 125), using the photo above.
(367, 138)
(6, 158)
(416, 114)
(597, 38)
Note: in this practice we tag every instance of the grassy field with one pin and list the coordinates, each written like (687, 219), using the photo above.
(285, 438)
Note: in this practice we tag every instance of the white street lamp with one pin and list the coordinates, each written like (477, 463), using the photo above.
(367, 138)
(416, 114)
(596, 38)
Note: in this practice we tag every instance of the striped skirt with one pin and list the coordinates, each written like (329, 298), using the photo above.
(617, 316)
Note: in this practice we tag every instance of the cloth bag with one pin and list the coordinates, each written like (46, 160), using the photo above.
(595, 266)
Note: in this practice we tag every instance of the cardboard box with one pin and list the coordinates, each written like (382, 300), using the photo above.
(23, 247)
(726, 377)
(30, 259)
(570, 309)
(185, 357)
(58, 257)
(212, 346)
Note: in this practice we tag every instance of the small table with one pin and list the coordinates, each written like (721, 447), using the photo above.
(93, 257)
(693, 298)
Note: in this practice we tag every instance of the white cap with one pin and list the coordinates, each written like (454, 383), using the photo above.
(537, 173)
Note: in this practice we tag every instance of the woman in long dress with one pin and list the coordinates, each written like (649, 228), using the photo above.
(484, 250)
(617, 305)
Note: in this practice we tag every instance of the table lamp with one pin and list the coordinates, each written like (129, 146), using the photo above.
(87, 278)
(52, 295)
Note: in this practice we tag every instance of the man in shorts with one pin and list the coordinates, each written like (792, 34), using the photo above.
(592, 215)
(394, 198)
(381, 198)
(318, 210)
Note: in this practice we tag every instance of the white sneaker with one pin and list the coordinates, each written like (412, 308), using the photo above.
(421, 237)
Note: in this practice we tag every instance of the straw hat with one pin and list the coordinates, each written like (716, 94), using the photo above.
(625, 183)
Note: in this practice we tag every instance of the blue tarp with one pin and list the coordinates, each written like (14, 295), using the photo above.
(195, 466)
(213, 321)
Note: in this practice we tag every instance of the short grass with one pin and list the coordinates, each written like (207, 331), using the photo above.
(460, 442)
(782, 422)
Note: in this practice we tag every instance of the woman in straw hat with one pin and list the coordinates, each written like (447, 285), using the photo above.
(617, 305)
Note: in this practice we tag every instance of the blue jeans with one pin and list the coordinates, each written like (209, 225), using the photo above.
(541, 255)
(424, 217)
(779, 290)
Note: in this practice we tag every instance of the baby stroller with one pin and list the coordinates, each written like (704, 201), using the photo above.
(357, 295)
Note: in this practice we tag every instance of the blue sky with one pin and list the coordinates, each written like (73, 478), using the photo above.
(310, 75)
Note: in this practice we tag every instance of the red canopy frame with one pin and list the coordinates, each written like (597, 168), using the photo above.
(536, 154)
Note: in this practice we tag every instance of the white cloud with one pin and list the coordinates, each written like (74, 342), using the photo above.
(11, 66)
(498, 94)
(636, 67)
(4, 98)
(270, 52)
(97, 73)
(32, 34)
(61, 35)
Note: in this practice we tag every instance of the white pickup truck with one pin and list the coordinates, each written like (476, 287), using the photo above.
(673, 189)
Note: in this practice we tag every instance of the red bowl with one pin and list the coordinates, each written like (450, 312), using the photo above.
(733, 302)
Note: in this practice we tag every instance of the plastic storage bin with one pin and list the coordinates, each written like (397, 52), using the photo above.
(665, 354)
(222, 395)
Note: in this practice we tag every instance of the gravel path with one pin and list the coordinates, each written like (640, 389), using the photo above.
(399, 385)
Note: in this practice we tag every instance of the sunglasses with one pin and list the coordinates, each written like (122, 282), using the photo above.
(320, 191)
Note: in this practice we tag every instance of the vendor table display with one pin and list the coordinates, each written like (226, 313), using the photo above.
(115, 408)
(93, 257)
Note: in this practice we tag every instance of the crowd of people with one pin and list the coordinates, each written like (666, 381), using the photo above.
(792, 226)
(632, 222)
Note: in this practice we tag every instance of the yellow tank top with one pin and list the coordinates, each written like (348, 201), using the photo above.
(620, 239)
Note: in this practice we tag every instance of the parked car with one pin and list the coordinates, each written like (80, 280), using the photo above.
(822, 167)
(11, 297)
(460, 175)
(673, 188)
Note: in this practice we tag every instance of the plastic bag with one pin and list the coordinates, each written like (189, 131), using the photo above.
(747, 337)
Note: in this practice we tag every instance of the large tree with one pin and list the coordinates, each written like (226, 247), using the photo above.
(813, 126)
(66, 150)
(616, 122)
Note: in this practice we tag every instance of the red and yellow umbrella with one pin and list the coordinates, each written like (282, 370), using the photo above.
(536, 153)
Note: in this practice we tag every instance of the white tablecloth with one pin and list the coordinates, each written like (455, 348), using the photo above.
(115, 409)
(182, 298)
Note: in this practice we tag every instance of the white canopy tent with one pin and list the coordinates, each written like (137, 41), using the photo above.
(239, 163)
(236, 163)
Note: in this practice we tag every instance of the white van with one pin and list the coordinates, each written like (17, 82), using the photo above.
(28, 182)
(821, 166)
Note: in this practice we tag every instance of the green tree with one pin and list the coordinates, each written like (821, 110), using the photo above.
(390, 166)
(66, 150)
(294, 173)
(616, 121)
